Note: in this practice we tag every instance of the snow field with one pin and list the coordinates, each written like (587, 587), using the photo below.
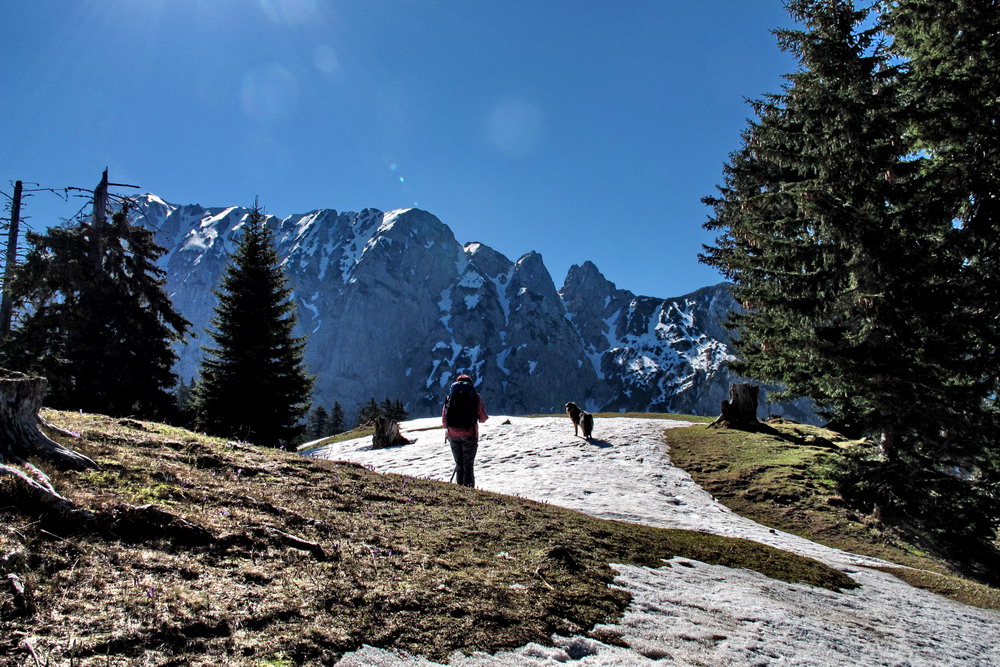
(687, 612)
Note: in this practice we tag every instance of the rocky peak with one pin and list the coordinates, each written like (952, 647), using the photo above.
(393, 306)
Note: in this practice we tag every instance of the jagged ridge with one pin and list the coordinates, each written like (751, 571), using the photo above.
(394, 306)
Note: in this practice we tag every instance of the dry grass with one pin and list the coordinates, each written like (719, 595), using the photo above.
(199, 551)
(777, 477)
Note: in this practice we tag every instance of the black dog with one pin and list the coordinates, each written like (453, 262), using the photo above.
(581, 419)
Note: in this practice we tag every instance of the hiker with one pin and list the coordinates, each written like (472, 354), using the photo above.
(462, 412)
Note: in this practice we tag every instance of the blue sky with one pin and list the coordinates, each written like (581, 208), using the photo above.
(582, 130)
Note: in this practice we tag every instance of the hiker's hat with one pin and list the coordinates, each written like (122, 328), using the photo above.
(463, 378)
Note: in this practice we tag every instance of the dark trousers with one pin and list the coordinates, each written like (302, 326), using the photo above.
(464, 451)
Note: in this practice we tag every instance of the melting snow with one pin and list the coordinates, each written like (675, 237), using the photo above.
(156, 200)
(309, 305)
(215, 219)
(366, 235)
(445, 306)
(697, 614)
(200, 240)
(502, 360)
(471, 280)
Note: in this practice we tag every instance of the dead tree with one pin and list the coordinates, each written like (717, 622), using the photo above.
(6, 306)
(21, 438)
(387, 434)
(740, 410)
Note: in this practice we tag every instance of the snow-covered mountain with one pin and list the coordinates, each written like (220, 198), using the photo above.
(394, 306)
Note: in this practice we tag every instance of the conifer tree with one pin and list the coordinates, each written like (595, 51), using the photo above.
(318, 421)
(842, 257)
(393, 410)
(183, 400)
(253, 384)
(803, 213)
(96, 320)
(337, 423)
(369, 413)
(950, 80)
(952, 83)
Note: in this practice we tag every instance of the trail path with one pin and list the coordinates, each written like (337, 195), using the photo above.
(691, 613)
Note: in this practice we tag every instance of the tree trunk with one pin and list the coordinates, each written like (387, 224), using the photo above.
(20, 437)
(387, 434)
(20, 400)
(887, 445)
(741, 408)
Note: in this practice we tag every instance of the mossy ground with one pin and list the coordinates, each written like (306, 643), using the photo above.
(777, 476)
(201, 551)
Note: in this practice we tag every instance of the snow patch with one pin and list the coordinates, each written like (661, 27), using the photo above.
(444, 305)
(686, 612)
(502, 361)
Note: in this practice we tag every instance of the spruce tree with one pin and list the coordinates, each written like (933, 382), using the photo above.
(951, 79)
(842, 256)
(96, 320)
(369, 413)
(803, 214)
(253, 384)
(183, 398)
(337, 423)
(393, 410)
(318, 421)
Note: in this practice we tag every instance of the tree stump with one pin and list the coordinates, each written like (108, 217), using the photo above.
(387, 434)
(741, 408)
(20, 438)
(20, 400)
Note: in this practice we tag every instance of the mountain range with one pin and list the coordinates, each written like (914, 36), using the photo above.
(394, 306)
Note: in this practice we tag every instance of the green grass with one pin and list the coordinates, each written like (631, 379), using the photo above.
(950, 586)
(253, 556)
(360, 432)
(778, 478)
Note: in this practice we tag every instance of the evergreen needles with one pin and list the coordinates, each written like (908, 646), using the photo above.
(253, 384)
(96, 320)
(858, 222)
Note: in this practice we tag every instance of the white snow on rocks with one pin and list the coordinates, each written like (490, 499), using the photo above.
(687, 612)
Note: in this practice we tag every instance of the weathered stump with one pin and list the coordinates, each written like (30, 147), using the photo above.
(20, 438)
(387, 434)
(20, 401)
(741, 408)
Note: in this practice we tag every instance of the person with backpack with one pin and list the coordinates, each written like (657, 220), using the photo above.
(463, 411)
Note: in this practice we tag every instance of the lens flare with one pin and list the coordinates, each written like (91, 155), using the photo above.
(515, 128)
(288, 12)
(269, 93)
(325, 59)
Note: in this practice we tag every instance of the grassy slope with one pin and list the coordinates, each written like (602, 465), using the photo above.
(776, 478)
(247, 556)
